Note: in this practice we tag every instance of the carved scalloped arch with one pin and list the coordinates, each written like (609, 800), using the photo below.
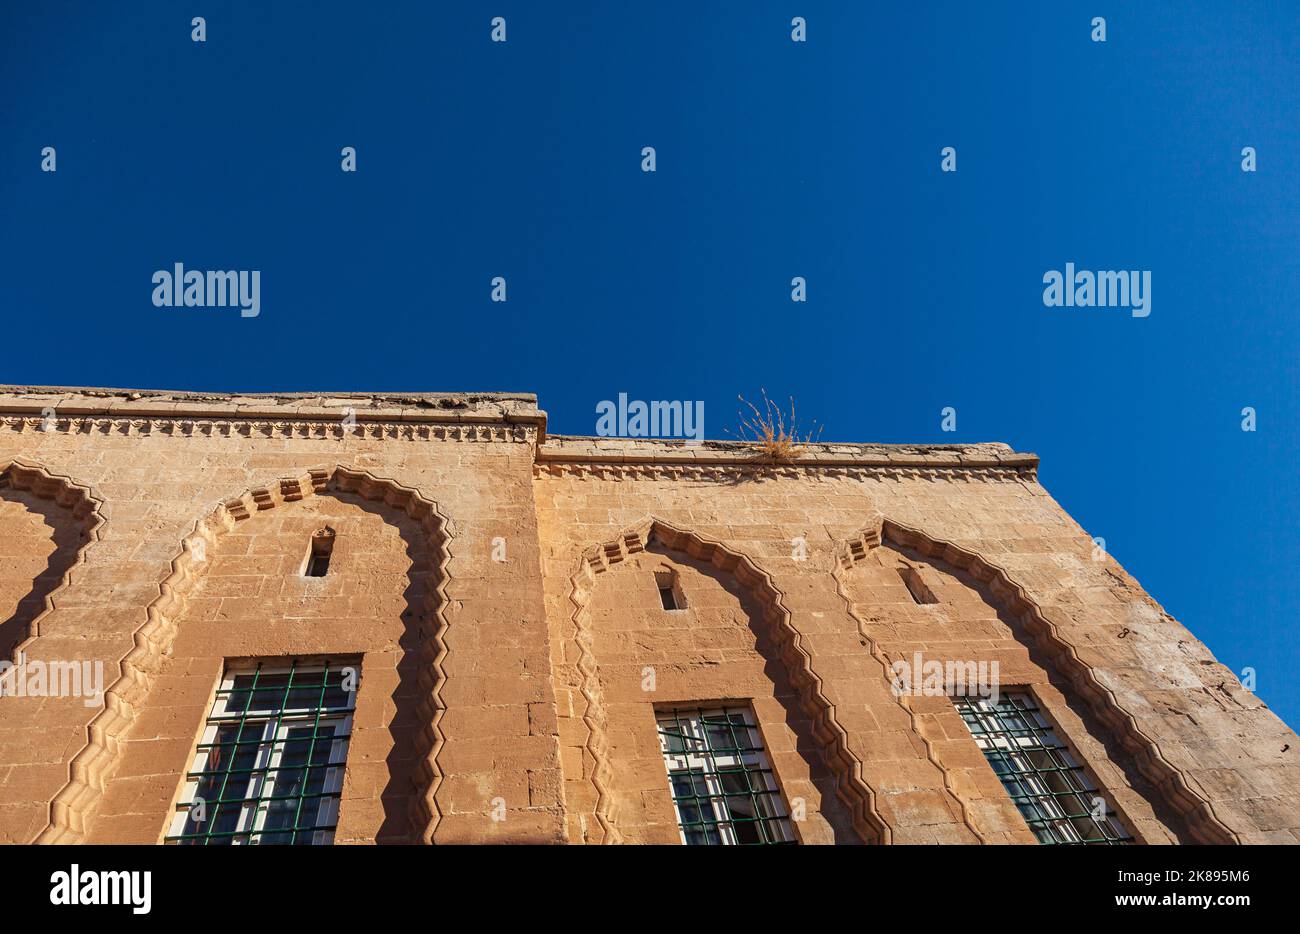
(1194, 807)
(80, 500)
(851, 788)
(94, 764)
(847, 554)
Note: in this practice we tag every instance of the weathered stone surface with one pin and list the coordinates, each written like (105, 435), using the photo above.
(499, 589)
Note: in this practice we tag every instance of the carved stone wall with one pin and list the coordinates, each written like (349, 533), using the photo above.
(494, 730)
(498, 586)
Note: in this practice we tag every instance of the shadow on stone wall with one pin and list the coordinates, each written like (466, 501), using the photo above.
(29, 527)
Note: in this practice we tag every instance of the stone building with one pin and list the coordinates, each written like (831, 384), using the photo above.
(419, 618)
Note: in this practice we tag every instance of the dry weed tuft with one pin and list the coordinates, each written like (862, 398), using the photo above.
(767, 432)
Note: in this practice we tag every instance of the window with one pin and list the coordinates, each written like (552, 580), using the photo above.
(670, 590)
(920, 591)
(269, 765)
(1058, 800)
(318, 560)
(723, 789)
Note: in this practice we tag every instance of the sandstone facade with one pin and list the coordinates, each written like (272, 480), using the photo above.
(500, 592)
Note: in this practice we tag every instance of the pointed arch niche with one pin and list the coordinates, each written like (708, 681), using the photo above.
(909, 592)
(729, 638)
(238, 589)
(47, 523)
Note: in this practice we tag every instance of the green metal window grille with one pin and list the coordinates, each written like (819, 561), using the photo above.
(268, 768)
(723, 788)
(1058, 800)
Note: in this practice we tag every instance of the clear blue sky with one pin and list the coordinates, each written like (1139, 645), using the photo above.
(775, 160)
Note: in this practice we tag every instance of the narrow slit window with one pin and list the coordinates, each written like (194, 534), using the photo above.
(322, 546)
(269, 765)
(1053, 792)
(920, 591)
(670, 590)
(722, 785)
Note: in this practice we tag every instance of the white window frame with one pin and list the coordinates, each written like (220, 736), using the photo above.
(270, 752)
(709, 763)
(1017, 749)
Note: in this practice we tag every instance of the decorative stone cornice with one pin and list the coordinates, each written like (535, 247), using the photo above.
(265, 429)
(653, 459)
(501, 417)
(731, 471)
(420, 417)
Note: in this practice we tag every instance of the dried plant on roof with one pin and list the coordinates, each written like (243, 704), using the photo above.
(772, 434)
